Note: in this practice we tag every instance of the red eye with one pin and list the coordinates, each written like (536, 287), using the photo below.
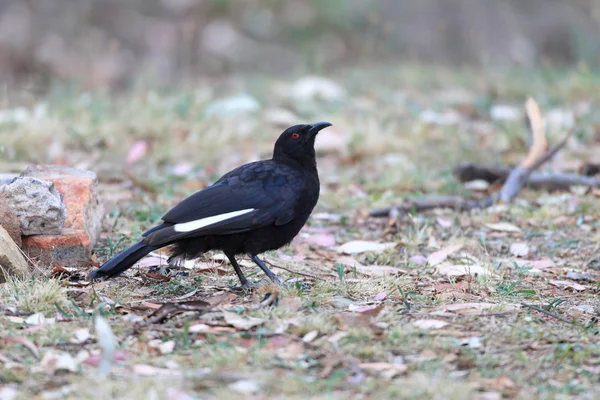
(295, 136)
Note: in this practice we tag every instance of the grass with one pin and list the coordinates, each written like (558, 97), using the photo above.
(334, 331)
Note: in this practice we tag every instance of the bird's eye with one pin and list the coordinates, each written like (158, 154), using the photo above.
(295, 135)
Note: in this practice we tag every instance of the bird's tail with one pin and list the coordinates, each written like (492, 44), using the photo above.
(122, 261)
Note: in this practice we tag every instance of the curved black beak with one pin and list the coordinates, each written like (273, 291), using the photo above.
(316, 127)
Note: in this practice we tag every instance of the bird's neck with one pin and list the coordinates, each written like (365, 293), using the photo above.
(307, 164)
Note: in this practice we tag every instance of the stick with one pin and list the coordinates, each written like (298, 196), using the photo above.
(548, 313)
(515, 181)
(539, 180)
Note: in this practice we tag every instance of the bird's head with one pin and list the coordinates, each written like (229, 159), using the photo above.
(297, 143)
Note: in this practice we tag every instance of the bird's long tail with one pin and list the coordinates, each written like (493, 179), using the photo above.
(122, 261)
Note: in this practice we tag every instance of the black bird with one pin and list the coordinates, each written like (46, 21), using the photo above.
(257, 207)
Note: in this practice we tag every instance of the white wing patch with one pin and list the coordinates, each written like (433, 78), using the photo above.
(201, 223)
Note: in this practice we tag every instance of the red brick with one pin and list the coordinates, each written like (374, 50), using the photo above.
(84, 217)
(80, 196)
(71, 248)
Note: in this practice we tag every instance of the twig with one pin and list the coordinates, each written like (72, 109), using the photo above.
(515, 181)
(548, 313)
(539, 180)
(294, 272)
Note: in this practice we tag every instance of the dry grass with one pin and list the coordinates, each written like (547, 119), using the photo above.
(315, 342)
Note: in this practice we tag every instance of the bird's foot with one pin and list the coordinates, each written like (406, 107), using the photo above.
(245, 287)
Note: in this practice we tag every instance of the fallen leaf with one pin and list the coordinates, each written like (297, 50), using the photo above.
(39, 319)
(245, 387)
(82, 335)
(539, 264)
(387, 370)
(348, 261)
(444, 223)
(164, 347)
(568, 285)
(22, 340)
(292, 351)
(58, 361)
(451, 270)
(137, 151)
(519, 249)
(149, 370)
(380, 296)
(503, 227)
(473, 342)
(240, 321)
(363, 246)
(372, 311)
(435, 258)
(310, 336)
(418, 259)
(580, 276)
(429, 324)
(197, 328)
(320, 239)
(378, 270)
(468, 308)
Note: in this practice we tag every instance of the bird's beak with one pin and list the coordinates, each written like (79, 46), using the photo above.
(316, 127)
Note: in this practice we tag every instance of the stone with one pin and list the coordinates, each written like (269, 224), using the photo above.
(38, 205)
(9, 221)
(5, 179)
(79, 189)
(12, 262)
(85, 212)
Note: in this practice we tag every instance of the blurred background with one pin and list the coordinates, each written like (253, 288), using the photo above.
(116, 43)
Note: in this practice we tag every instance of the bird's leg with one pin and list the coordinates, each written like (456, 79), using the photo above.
(238, 271)
(177, 261)
(265, 269)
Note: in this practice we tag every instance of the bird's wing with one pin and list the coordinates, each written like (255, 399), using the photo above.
(250, 197)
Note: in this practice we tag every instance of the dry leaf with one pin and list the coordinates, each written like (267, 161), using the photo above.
(451, 270)
(320, 239)
(82, 335)
(58, 361)
(468, 308)
(519, 249)
(363, 246)
(429, 324)
(378, 270)
(149, 370)
(503, 227)
(435, 258)
(444, 223)
(310, 336)
(387, 370)
(568, 285)
(137, 151)
(240, 321)
(22, 340)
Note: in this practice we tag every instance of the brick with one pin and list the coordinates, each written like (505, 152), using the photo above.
(71, 248)
(80, 195)
(85, 211)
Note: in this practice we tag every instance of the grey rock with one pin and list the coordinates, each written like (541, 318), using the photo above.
(12, 262)
(38, 205)
(5, 179)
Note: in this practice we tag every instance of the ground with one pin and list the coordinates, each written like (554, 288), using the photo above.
(499, 303)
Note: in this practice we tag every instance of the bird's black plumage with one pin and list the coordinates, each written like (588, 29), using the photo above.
(257, 207)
